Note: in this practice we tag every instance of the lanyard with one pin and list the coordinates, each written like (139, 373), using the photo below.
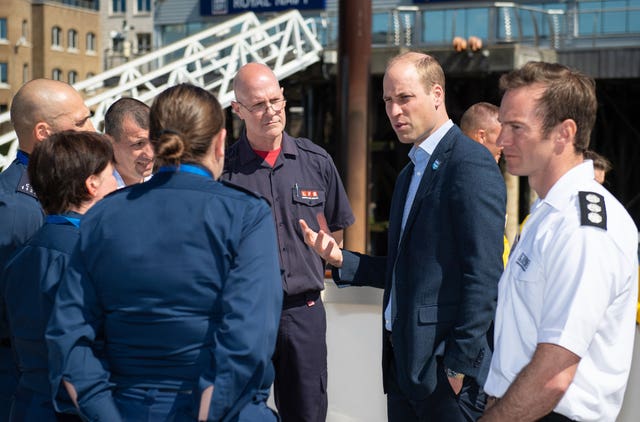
(186, 168)
(62, 219)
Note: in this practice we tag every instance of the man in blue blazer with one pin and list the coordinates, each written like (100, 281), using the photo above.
(440, 277)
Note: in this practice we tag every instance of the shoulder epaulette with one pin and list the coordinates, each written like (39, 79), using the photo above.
(592, 210)
(24, 186)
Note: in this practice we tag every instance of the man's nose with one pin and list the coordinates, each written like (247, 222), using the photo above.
(148, 150)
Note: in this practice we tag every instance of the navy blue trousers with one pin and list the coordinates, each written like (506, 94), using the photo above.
(8, 380)
(443, 405)
(151, 405)
(300, 360)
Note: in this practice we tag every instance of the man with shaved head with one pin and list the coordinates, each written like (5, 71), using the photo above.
(40, 108)
(299, 180)
(480, 123)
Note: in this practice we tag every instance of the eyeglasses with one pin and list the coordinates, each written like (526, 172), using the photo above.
(275, 105)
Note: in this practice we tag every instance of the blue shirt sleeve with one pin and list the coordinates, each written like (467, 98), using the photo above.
(75, 319)
(252, 303)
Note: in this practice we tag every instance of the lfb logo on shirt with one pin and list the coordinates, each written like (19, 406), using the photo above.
(523, 261)
(309, 194)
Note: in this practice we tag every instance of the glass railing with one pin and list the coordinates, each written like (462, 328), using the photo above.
(551, 25)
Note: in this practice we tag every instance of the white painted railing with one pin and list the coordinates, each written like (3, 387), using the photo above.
(210, 59)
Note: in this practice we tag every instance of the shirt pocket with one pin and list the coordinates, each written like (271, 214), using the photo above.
(309, 197)
(526, 270)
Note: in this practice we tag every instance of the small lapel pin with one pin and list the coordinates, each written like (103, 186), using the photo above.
(435, 165)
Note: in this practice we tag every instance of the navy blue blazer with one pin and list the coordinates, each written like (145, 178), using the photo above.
(446, 263)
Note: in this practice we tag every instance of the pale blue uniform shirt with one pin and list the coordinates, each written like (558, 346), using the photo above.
(419, 155)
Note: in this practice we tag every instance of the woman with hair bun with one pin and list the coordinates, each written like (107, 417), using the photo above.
(181, 276)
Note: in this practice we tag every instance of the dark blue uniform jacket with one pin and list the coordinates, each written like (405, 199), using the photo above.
(20, 217)
(28, 287)
(182, 274)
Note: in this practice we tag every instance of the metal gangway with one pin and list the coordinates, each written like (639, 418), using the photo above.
(287, 43)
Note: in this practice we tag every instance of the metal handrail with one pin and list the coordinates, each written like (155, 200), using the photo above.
(210, 59)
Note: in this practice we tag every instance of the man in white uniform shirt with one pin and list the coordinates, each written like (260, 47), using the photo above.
(566, 304)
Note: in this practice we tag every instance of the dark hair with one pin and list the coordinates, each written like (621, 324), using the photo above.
(568, 94)
(599, 161)
(125, 106)
(60, 165)
(183, 122)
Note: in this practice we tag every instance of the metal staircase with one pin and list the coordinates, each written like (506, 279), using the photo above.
(210, 59)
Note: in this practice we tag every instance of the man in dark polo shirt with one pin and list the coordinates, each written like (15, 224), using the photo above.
(299, 180)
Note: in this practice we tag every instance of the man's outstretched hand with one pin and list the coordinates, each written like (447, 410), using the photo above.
(323, 243)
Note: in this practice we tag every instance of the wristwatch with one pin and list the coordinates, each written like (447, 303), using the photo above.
(453, 374)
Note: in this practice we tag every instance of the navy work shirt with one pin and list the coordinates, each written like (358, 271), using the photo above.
(302, 183)
(28, 287)
(182, 274)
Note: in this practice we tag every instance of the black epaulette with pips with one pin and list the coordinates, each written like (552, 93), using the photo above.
(592, 210)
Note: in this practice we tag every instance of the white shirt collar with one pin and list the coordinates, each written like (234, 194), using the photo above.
(562, 191)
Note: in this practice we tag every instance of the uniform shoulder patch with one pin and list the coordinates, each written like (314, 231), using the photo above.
(24, 186)
(592, 210)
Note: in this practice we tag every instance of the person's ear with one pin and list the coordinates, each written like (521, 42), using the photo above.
(41, 131)
(219, 143)
(235, 107)
(92, 183)
(482, 136)
(438, 95)
(566, 133)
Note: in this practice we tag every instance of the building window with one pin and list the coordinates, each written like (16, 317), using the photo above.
(91, 41)
(73, 77)
(72, 39)
(144, 6)
(4, 78)
(144, 42)
(25, 73)
(118, 6)
(4, 108)
(3, 28)
(56, 36)
(56, 74)
(25, 29)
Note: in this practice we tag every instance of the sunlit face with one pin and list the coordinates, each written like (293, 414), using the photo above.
(411, 110)
(133, 152)
(73, 115)
(106, 182)
(526, 150)
(492, 132)
(261, 105)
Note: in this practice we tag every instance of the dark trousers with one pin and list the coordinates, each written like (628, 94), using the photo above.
(29, 406)
(8, 379)
(300, 360)
(443, 405)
